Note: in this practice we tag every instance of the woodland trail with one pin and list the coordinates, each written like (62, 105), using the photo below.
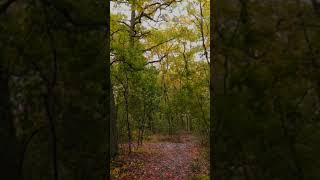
(178, 158)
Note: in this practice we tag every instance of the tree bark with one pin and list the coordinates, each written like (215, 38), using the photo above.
(202, 34)
(113, 127)
(127, 113)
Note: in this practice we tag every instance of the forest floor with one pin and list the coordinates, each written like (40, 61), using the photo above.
(178, 157)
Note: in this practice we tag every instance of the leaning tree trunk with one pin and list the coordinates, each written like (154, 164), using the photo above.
(113, 128)
(8, 150)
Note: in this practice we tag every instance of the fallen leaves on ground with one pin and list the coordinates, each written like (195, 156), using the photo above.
(177, 157)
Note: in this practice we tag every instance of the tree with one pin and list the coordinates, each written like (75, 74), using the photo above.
(154, 69)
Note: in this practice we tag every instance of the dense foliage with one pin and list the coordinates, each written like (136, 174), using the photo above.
(160, 72)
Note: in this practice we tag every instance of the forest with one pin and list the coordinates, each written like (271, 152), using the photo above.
(160, 89)
(160, 56)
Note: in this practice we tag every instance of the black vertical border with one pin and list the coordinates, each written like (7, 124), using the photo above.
(213, 23)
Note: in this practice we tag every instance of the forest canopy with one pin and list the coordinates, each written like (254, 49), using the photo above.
(160, 66)
(160, 56)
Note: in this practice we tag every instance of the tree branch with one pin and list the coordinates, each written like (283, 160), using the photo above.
(152, 47)
(156, 61)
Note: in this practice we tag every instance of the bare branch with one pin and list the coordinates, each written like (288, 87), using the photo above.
(156, 61)
(152, 47)
(118, 30)
(159, 6)
(126, 24)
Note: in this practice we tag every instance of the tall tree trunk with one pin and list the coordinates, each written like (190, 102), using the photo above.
(126, 91)
(127, 113)
(142, 131)
(113, 127)
(151, 124)
(205, 51)
(142, 125)
(190, 123)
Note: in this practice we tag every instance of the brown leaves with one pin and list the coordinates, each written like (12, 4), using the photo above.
(178, 157)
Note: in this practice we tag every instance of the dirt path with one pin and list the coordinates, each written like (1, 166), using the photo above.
(176, 158)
